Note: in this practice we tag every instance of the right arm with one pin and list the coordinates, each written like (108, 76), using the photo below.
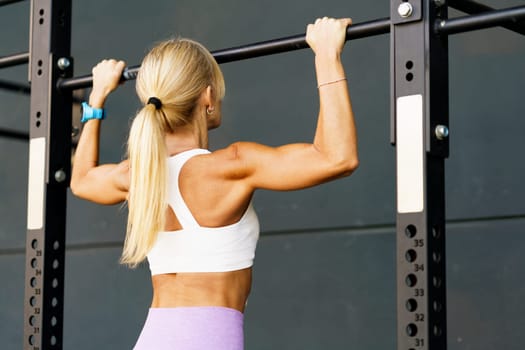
(333, 152)
(99, 183)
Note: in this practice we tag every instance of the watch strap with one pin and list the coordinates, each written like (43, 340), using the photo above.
(89, 113)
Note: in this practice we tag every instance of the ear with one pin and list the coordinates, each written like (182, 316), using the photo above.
(207, 97)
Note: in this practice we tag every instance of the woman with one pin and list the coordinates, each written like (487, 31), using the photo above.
(190, 209)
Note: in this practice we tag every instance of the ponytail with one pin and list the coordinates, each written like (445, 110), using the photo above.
(175, 72)
(148, 185)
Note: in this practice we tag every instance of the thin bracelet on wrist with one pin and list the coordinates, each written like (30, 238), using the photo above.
(331, 82)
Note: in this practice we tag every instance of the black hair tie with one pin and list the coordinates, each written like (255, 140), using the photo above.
(155, 101)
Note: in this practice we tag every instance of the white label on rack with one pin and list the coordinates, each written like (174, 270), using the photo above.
(410, 154)
(35, 195)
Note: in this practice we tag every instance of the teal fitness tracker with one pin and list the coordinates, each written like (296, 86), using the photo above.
(89, 113)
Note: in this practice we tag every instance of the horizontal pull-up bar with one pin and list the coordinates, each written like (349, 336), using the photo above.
(480, 21)
(7, 2)
(297, 42)
(13, 134)
(16, 87)
(271, 47)
(14, 60)
(25, 88)
(472, 8)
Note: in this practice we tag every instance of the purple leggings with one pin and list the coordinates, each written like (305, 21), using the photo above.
(192, 328)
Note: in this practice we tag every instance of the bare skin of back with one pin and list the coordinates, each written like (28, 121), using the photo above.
(228, 289)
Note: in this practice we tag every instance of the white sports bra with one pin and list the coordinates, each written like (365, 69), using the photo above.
(201, 249)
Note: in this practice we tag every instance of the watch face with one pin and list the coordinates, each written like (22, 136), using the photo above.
(87, 112)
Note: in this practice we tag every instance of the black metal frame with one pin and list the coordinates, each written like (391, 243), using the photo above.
(419, 103)
(49, 169)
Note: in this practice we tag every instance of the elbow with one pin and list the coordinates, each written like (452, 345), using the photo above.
(342, 164)
(76, 187)
(73, 185)
(346, 167)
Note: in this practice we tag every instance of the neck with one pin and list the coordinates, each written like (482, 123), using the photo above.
(190, 136)
(182, 140)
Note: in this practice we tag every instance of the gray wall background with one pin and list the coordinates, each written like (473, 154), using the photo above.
(325, 267)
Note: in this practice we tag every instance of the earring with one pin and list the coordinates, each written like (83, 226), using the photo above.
(210, 110)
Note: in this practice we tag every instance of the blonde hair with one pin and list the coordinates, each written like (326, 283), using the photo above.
(176, 72)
